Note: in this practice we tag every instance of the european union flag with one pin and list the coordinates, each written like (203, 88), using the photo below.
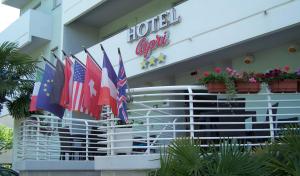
(44, 95)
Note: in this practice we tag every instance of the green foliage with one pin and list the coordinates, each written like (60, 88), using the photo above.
(283, 156)
(16, 74)
(6, 138)
(213, 77)
(233, 159)
(279, 74)
(20, 106)
(222, 77)
(184, 157)
(230, 88)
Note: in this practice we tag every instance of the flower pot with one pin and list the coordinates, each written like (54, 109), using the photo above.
(216, 87)
(247, 87)
(286, 85)
(298, 85)
(126, 136)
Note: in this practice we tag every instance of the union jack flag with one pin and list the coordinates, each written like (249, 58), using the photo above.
(122, 86)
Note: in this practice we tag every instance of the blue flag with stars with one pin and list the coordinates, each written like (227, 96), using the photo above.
(44, 95)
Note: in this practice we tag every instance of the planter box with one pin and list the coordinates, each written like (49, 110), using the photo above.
(246, 87)
(126, 136)
(216, 87)
(287, 85)
(298, 85)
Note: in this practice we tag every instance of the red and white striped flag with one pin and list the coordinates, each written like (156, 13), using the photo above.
(78, 81)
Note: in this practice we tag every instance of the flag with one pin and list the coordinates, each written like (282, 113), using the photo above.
(36, 88)
(66, 95)
(91, 87)
(43, 98)
(122, 86)
(77, 92)
(58, 82)
(108, 89)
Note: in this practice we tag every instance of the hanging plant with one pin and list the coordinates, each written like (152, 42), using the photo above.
(281, 80)
(219, 81)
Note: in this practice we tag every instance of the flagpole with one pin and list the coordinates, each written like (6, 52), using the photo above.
(65, 54)
(54, 55)
(87, 52)
(47, 61)
(128, 88)
(102, 48)
(78, 60)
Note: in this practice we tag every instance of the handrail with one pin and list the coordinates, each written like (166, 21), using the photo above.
(180, 112)
(157, 137)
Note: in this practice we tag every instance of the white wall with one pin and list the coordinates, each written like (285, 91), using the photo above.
(55, 28)
(73, 9)
(206, 28)
(31, 24)
(7, 120)
(77, 35)
(13, 32)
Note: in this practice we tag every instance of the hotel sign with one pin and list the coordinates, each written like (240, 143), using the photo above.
(162, 21)
(145, 46)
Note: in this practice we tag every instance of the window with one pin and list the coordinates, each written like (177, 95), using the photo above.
(56, 3)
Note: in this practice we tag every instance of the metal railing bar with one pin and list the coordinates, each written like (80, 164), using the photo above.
(199, 94)
(214, 101)
(217, 108)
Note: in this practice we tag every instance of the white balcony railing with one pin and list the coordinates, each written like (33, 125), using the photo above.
(161, 114)
(15, 3)
(33, 27)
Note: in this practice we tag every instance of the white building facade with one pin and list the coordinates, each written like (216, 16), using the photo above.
(161, 42)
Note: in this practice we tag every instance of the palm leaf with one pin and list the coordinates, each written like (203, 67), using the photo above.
(283, 156)
(19, 108)
(16, 74)
(233, 159)
(189, 157)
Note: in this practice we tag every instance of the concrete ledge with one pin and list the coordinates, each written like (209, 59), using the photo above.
(32, 165)
(60, 173)
(127, 162)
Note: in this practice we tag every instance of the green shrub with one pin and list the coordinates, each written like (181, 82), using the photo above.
(184, 157)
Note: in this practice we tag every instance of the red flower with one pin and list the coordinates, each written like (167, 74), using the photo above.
(229, 70)
(218, 70)
(286, 68)
(206, 73)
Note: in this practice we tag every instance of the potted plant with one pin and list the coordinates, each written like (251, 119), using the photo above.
(218, 81)
(248, 82)
(281, 80)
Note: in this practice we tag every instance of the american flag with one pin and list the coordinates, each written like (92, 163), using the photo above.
(78, 80)
(122, 86)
